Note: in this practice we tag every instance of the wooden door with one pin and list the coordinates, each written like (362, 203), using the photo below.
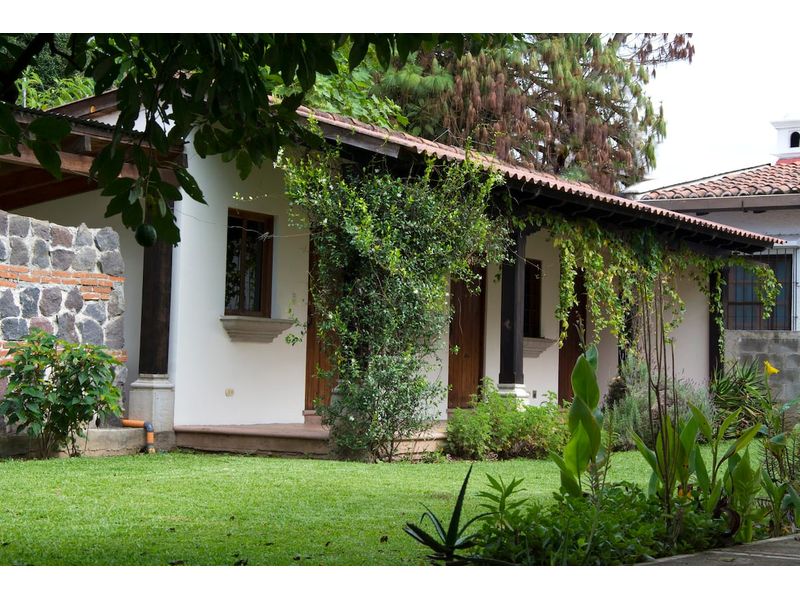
(316, 358)
(571, 350)
(465, 367)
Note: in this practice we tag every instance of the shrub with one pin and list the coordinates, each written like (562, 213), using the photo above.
(56, 388)
(741, 385)
(620, 525)
(497, 426)
(628, 411)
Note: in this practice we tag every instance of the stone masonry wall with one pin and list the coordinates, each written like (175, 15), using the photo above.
(65, 280)
(780, 348)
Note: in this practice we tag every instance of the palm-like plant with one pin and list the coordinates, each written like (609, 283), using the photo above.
(447, 543)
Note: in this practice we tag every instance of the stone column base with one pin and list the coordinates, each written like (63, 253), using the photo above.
(152, 398)
(517, 390)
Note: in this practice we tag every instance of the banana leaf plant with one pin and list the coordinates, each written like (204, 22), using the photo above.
(584, 450)
(449, 542)
(783, 503)
(710, 482)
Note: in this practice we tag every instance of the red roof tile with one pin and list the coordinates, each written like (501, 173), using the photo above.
(764, 180)
(420, 145)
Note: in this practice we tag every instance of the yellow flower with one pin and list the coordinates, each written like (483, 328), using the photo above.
(769, 369)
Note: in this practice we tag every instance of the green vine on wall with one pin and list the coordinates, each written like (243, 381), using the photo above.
(623, 265)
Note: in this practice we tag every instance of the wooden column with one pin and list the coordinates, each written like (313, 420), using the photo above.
(512, 305)
(156, 294)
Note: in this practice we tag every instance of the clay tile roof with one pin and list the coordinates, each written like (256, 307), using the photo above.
(522, 174)
(763, 180)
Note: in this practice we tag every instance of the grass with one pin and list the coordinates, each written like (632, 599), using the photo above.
(203, 509)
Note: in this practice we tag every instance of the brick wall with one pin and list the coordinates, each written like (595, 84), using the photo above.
(65, 280)
(780, 348)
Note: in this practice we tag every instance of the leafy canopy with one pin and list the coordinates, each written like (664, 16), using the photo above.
(216, 87)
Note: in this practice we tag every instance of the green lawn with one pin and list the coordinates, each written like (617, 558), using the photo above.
(206, 509)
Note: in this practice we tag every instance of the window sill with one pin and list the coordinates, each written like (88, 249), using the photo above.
(254, 329)
(533, 347)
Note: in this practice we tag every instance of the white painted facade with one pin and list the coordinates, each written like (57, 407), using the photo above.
(221, 382)
(218, 381)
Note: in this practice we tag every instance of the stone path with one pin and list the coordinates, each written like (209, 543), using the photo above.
(774, 552)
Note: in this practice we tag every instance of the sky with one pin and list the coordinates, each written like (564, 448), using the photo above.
(719, 107)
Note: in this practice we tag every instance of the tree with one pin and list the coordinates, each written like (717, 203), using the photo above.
(216, 88)
(571, 104)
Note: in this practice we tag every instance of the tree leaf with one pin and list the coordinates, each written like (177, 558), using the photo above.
(48, 157)
(50, 129)
(189, 184)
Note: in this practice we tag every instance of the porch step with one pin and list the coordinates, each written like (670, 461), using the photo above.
(289, 439)
(292, 439)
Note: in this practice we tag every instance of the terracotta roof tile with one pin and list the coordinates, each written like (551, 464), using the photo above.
(764, 180)
(524, 174)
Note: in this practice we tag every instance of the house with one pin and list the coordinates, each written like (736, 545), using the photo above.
(765, 199)
(207, 359)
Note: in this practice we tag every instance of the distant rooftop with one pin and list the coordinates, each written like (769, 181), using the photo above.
(762, 180)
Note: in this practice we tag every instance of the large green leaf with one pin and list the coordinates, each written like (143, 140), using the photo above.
(48, 157)
(743, 441)
(578, 451)
(646, 452)
(579, 414)
(50, 129)
(726, 424)
(584, 383)
(702, 421)
(569, 482)
(8, 124)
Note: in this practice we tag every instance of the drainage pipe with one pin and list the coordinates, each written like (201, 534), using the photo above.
(150, 437)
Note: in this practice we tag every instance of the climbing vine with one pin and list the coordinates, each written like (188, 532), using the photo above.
(386, 246)
(627, 267)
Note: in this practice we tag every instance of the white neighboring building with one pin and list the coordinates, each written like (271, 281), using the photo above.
(206, 338)
(765, 199)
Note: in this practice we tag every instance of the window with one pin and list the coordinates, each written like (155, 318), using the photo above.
(532, 326)
(742, 308)
(794, 139)
(248, 266)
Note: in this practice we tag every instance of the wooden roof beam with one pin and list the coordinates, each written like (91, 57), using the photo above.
(77, 164)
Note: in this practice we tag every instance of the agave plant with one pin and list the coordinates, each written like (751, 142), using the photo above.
(449, 542)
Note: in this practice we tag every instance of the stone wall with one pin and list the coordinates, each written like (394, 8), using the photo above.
(780, 348)
(65, 280)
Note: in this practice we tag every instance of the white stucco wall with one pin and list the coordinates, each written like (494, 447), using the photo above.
(691, 336)
(784, 224)
(265, 381)
(89, 208)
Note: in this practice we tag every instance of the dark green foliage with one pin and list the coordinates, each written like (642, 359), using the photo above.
(585, 457)
(386, 246)
(741, 386)
(56, 388)
(621, 525)
(218, 87)
(497, 426)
